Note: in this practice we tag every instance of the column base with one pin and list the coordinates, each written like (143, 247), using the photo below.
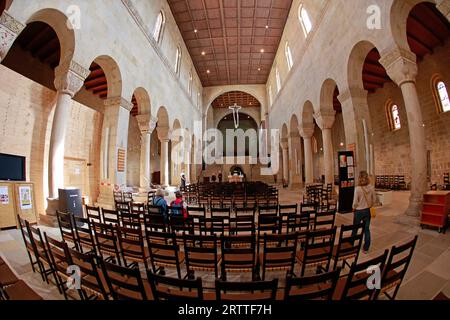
(106, 197)
(49, 218)
(414, 208)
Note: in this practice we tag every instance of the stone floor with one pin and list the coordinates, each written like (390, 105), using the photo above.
(428, 274)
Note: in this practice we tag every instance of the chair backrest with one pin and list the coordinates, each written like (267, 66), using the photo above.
(247, 291)
(131, 242)
(27, 237)
(201, 253)
(286, 210)
(84, 233)
(66, 227)
(196, 212)
(217, 225)
(350, 242)
(269, 224)
(174, 289)
(131, 220)
(179, 224)
(279, 252)
(356, 284)
(324, 220)
(238, 253)
(267, 210)
(221, 212)
(106, 241)
(127, 197)
(150, 196)
(137, 208)
(124, 283)
(155, 222)
(39, 243)
(58, 253)
(396, 267)
(319, 248)
(299, 222)
(123, 207)
(110, 216)
(152, 209)
(93, 213)
(317, 287)
(163, 249)
(90, 277)
(245, 211)
(242, 225)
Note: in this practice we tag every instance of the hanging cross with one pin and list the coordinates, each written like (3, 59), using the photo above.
(235, 109)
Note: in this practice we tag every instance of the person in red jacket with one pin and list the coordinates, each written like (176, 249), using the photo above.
(179, 203)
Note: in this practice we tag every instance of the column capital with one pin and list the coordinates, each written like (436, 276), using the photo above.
(352, 93)
(294, 134)
(400, 65)
(284, 144)
(10, 28)
(306, 130)
(325, 119)
(119, 101)
(143, 121)
(69, 77)
(163, 133)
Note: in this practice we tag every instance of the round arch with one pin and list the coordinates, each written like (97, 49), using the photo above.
(113, 75)
(163, 117)
(143, 101)
(327, 94)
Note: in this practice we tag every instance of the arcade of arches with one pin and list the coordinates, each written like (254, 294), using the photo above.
(124, 101)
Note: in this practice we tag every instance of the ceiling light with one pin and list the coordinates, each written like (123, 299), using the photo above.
(262, 51)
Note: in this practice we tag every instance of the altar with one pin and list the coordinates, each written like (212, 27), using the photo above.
(235, 179)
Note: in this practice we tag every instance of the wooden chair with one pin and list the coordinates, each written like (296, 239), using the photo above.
(316, 287)
(84, 235)
(118, 196)
(92, 286)
(214, 226)
(180, 225)
(196, 213)
(173, 289)
(131, 220)
(349, 244)
(268, 210)
(238, 255)
(396, 268)
(299, 222)
(106, 242)
(269, 224)
(66, 227)
(150, 197)
(279, 253)
(132, 248)
(30, 246)
(318, 250)
(128, 197)
(93, 213)
(201, 254)
(221, 212)
(60, 261)
(354, 286)
(20, 291)
(242, 225)
(137, 208)
(110, 217)
(324, 220)
(123, 207)
(164, 252)
(156, 223)
(124, 283)
(152, 209)
(247, 291)
(245, 212)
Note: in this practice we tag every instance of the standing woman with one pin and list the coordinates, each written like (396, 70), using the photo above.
(365, 198)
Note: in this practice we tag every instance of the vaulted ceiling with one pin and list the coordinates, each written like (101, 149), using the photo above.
(242, 99)
(231, 41)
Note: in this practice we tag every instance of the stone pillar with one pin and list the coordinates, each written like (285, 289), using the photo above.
(285, 149)
(401, 67)
(10, 29)
(176, 160)
(163, 136)
(67, 83)
(355, 110)
(307, 131)
(295, 172)
(325, 121)
(113, 149)
(146, 125)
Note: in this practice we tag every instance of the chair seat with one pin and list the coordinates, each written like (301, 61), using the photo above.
(168, 253)
(314, 252)
(348, 251)
(135, 248)
(21, 291)
(277, 256)
(7, 277)
(135, 295)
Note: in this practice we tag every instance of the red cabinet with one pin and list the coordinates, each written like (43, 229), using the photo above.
(436, 207)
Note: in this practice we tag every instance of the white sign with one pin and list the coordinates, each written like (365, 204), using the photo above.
(25, 198)
(4, 195)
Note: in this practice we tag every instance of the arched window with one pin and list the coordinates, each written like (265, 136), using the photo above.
(190, 84)
(393, 116)
(290, 61)
(159, 25)
(270, 95)
(178, 60)
(440, 94)
(278, 78)
(305, 20)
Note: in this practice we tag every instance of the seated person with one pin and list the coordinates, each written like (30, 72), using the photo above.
(159, 201)
(178, 203)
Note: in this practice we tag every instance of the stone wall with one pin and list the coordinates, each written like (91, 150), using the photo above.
(133, 154)
(392, 148)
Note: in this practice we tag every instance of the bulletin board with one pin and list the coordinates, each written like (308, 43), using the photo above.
(25, 201)
(7, 205)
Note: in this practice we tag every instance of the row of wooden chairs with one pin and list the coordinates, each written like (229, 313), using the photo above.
(395, 182)
(107, 280)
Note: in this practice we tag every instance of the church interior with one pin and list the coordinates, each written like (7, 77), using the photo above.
(222, 150)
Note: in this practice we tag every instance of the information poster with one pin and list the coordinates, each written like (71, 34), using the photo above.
(25, 198)
(4, 195)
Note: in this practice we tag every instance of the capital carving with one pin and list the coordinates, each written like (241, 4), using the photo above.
(325, 119)
(306, 130)
(10, 28)
(143, 121)
(400, 65)
(163, 133)
(69, 82)
(119, 101)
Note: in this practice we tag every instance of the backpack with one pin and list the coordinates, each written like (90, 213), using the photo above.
(178, 203)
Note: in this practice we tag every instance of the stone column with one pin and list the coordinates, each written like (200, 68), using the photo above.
(355, 110)
(67, 83)
(285, 149)
(175, 165)
(114, 144)
(401, 67)
(295, 173)
(307, 131)
(146, 125)
(163, 136)
(10, 29)
(325, 121)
